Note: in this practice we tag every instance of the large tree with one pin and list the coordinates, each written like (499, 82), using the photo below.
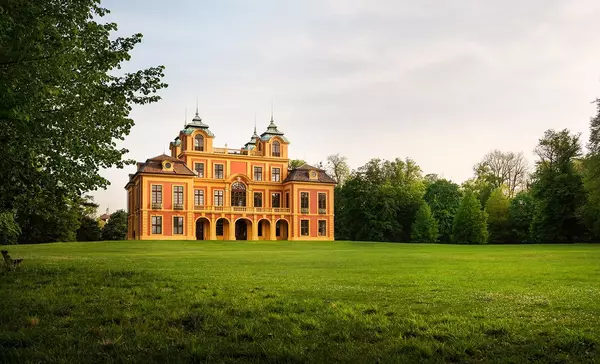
(558, 189)
(591, 179)
(470, 222)
(497, 209)
(425, 227)
(443, 197)
(503, 169)
(379, 201)
(337, 167)
(520, 215)
(64, 102)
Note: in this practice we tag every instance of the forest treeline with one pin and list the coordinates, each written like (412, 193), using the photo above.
(556, 200)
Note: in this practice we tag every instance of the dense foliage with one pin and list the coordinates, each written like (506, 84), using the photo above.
(496, 208)
(63, 105)
(443, 197)
(116, 227)
(470, 222)
(425, 227)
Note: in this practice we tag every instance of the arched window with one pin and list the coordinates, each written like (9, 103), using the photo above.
(276, 151)
(238, 194)
(199, 143)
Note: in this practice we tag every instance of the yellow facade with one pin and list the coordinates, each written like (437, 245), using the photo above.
(201, 192)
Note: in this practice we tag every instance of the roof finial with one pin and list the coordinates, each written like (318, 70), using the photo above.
(271, 110)
(196, 105)
(185, 117)
(255, 122)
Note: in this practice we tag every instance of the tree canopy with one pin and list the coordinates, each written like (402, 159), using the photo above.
(64, 105)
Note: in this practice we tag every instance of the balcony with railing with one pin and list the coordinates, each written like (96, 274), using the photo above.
(235, 151)
(156, 206)
(177, 206)
(243, 209)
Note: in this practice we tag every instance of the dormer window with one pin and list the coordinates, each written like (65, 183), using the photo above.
(199, 143)
(313, 175)
(167, 166)
(276, 149)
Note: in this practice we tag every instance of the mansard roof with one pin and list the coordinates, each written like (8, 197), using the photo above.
(300, 174)
(154, 166)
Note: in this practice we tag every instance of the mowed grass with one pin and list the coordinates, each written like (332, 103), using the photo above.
(285, 302)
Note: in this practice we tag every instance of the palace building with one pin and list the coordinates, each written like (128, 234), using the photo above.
(201, 192)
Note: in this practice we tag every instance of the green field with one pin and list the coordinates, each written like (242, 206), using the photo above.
(300, 302)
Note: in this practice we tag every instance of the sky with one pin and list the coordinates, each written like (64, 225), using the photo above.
(442, 82)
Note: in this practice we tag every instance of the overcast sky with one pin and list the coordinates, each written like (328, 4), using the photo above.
(442, 82)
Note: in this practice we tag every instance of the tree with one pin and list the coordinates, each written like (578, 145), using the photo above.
(63, 105)
(503, 169)
(520, 216)
(496, 208)
(425, 228)
(116, 227)
(9, 229)
(470, 222)
(591, 179)
(89, 230)
(337, 167)
(295, 163)
(443, 197)
(378, 202)
(558, 189)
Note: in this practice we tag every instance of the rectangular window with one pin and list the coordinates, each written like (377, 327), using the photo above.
(275, 174)
(276, 200)
(156, 194)
(199, 168)
(258, 173)
(177, 225)
(156, 224)
(258, 199)
(304, 227)
(304, 202)
(322, 203)
(218, 198)
(287, 200)
(199, 198)
(178, 195)
(219, 171)
(322, 228)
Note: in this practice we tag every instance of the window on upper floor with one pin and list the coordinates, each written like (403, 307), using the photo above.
(178, 195)
(275, 174)
(219, 171)
(218, 198)
(199, 143)
(304, 202)
(276, 200)
(157, 194)
(258, 173)
(258, 199)
(199, 168)
(199, 198)
(276, 149)
(322, 203)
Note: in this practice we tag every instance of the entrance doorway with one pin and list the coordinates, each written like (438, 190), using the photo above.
(202, 228)
(242, 229)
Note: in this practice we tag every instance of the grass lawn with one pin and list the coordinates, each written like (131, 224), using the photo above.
(290, 302)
